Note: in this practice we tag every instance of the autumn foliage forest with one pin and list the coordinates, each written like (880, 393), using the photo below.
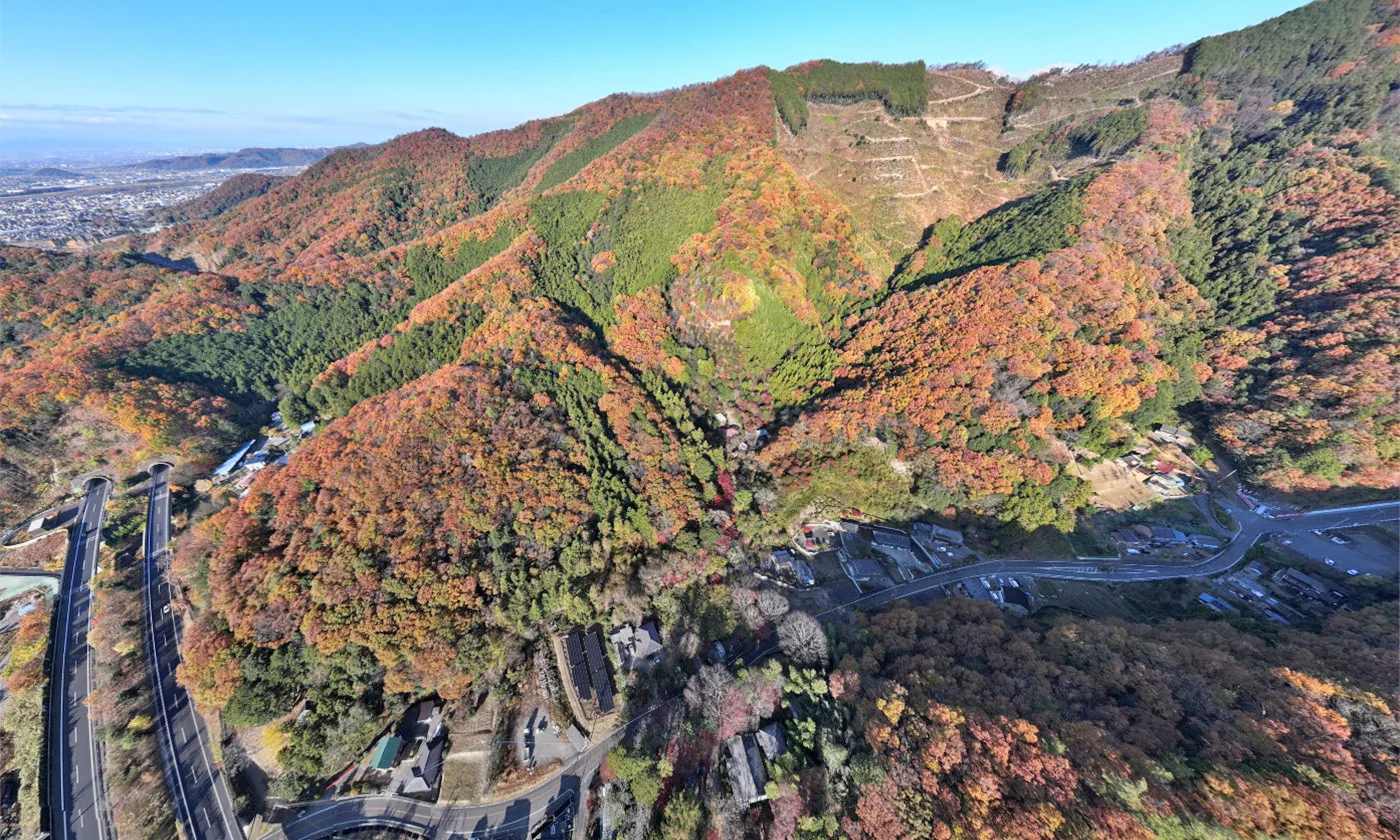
(588, 363)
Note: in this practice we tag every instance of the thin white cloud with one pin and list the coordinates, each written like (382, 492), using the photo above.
(66, 107)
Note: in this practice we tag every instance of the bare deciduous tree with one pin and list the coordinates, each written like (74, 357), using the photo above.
(802, 638)
(708, 693)
(772, 604)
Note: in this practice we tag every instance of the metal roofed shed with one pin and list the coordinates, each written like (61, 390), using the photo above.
(1162, 533)
(227, 467)
(880, 535)
(927, 532)
(747, 775)
(385, 753)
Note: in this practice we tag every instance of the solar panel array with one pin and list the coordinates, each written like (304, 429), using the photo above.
(598, 669)
(578, 670)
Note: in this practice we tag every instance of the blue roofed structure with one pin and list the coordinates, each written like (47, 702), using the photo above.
(227, 467)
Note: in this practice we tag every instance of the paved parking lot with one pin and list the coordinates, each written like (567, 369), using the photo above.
(1366, 553)
(539, 741)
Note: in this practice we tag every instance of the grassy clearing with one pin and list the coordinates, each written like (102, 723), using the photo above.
(1086, 541)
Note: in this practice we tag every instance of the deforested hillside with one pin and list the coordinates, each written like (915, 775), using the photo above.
(986, 384)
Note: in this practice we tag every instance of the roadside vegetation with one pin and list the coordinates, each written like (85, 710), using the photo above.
(122, 706)
(22, 717)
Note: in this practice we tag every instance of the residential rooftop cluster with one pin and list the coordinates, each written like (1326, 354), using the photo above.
(241, 467)
(62, 207)
(1282, 594)
(408, 760)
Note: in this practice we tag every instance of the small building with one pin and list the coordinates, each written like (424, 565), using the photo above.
(636, 647)
(386, 754)
(1217, 604)
(882, 536)
(648, 641)
(423, 722)
(426, 769)
(1208, 543)
(228, 466)
(577, 739)
(1016, 597)
(1170, 536)
(1129, 537)
(1246, 585)
(1172, 435)
(1299, 580)
(863, 569)
(927, 532)
(1302, 583)
(785, 563)
(1256, 569)
(772, 741)
(422, 732)
(747, 775)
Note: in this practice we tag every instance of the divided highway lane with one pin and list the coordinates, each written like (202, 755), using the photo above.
(77, 799)
(198, 788)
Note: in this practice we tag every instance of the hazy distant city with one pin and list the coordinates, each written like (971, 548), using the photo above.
(76, 202)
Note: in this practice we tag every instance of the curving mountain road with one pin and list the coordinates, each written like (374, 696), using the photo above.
(77, 798)
(197, 786)
(514, 818)
(1252, 528)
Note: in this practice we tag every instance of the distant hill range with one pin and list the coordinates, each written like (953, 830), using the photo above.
(55, 172)
(255, 158)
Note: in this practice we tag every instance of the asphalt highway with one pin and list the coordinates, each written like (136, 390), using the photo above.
(197, 785)
(77, 798)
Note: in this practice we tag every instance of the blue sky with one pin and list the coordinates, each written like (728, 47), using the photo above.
(154, 74)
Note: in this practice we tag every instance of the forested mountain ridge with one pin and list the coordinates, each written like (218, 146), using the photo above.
(254, 158)
(579, 365)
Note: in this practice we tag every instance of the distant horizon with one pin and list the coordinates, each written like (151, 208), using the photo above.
(331, 75)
